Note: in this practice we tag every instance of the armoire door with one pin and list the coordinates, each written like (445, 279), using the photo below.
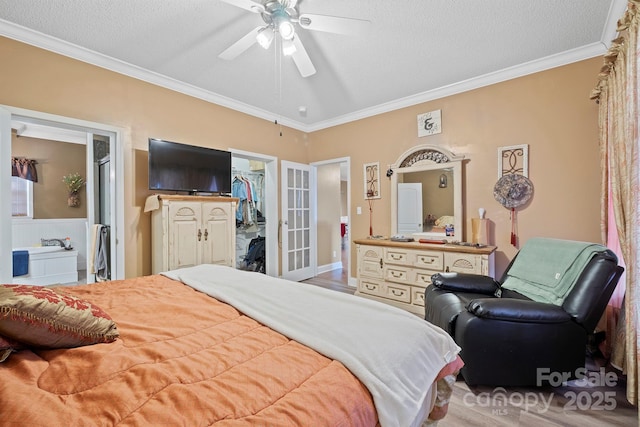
(185, 219)
(217, 238)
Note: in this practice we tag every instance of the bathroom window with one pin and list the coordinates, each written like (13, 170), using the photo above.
(21, 198)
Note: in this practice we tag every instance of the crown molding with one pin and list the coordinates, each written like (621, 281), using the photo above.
(61, 47)
(55, 45)
(564, 58)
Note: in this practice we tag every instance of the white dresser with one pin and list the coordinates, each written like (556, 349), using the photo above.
(397, 273)
(192, 230)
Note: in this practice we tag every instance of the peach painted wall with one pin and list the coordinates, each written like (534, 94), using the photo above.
(550, 111)
(39, 80)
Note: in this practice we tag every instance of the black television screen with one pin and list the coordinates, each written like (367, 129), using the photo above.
(181, 167)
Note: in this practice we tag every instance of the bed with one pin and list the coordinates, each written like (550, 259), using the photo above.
(211, 345)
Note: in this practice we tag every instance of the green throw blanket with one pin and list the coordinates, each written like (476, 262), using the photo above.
(545, 270)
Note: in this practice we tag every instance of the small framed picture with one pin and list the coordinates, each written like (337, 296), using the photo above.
(372, 180)
(429, 123)
(513, 159)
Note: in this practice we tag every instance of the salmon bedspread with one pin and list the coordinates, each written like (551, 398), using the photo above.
(183, 359)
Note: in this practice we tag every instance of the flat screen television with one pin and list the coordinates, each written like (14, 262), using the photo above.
(180, 167)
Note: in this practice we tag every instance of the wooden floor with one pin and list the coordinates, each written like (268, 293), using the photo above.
(576, 404)
(335, 280)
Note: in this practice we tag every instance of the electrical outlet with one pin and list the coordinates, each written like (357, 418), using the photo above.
(359, 210)
(334, 254)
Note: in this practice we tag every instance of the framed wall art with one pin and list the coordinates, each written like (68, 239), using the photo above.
(429, 123)
(372, 180)
(513, 159)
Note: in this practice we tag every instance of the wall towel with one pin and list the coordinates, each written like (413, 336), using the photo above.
(20, 263)
(95, 234)
(101, 260)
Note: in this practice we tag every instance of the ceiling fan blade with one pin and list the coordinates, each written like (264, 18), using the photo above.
(249, 5)
(302, 60)
(333, 24)
(241, 45)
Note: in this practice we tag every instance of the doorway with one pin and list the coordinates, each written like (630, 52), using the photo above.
(104, 196)
(262, 170)
(333, 221)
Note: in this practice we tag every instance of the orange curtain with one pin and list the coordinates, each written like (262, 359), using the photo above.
(617, 94)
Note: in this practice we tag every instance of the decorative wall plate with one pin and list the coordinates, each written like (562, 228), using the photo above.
(513, 190)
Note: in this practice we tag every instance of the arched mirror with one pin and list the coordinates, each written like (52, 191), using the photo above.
(426, 194)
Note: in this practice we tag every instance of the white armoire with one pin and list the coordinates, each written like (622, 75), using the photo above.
(192, 230)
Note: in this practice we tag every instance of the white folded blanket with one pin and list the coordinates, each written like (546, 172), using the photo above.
(395, 354)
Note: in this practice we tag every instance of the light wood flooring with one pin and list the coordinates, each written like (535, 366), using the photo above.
(577, 404)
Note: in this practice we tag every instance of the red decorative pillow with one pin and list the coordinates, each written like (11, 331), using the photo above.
(41, 317)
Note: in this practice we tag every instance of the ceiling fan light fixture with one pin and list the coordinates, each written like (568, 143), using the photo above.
(283, 24)
(265, 37)
(286, 30)
(288, 48)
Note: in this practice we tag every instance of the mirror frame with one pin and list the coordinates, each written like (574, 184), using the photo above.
(427, 158)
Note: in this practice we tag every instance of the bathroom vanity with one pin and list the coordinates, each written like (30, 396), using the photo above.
(49, 265)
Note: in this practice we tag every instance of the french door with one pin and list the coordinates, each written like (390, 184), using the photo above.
(298, 228)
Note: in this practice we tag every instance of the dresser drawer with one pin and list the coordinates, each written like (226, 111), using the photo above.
(423, 278)
(430, 260)
(417, 296)
(397, 256)
(371, 268)
(397, 292)
(397, 274)
(370, 287)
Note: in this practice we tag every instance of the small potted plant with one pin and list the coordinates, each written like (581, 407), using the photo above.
(74, 183)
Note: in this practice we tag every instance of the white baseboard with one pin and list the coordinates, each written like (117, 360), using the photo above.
(329, 267)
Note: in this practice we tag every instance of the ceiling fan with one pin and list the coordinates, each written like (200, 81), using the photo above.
(280, 17)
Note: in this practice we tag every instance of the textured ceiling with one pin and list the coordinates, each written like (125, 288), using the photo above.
(413, 51)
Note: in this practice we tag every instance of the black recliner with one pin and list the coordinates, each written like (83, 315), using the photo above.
(508, 339)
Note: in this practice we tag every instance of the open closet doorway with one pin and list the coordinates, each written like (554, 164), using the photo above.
(333, 202)
(101, 196)
(254, 182)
